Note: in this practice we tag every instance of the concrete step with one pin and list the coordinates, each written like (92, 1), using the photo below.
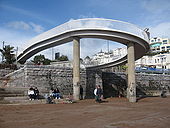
(11, 95)
(27, 101)
(18, 98)
(5, 92)
(4, 102)
(2, 89)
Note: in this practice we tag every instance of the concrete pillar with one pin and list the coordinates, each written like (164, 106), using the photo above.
(131, 90)
(76, 68)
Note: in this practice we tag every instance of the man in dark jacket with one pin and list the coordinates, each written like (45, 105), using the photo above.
(99, 94)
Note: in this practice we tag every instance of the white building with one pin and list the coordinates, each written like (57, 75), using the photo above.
(105, 57)
(120, 51)
(158, 44)
(157, 61)
(160, 60)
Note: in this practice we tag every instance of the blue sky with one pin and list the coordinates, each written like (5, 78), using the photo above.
(21, 20)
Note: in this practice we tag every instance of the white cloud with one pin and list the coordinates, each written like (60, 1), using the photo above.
(156, 6)
(21, 25)
(157, 11)
(160, 30)
(14, 38)
(37, 28)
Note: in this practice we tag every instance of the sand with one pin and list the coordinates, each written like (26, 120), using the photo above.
(153, 112)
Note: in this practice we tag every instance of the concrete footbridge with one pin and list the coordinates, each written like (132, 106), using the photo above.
(128, 34)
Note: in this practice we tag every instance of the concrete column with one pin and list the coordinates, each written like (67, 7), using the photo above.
(131, 90)
(76, 68)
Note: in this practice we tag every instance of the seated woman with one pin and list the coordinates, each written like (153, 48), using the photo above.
(31, 93)
(58, 96)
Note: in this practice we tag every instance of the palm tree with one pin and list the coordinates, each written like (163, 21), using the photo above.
(7, 52)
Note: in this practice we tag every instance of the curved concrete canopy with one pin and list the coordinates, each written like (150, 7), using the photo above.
(113, 30)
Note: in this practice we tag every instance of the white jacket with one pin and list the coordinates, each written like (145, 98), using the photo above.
(95, 91)
(30, 92)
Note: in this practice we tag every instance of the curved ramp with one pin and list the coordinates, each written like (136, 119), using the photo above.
(113, 30)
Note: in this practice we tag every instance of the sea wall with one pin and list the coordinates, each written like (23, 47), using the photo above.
(113, 84)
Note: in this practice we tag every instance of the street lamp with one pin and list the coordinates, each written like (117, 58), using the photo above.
(162, 58)
(16, 50)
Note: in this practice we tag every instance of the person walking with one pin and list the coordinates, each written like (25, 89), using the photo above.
(95, 93)
(98, 92)
(81, 92)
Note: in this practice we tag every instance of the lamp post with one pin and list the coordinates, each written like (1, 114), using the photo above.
(3, 44)
(162, 58)
(16, 54)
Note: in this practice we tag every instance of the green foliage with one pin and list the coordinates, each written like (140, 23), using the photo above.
(47, 61)
(40, 59)
(8, 53)
(124, 67)
(63, 58)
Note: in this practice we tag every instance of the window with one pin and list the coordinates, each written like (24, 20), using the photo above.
(165, 41)
(164, 59)
(163, 48)
(168, 47)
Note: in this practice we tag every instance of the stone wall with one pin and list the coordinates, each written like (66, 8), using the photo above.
(153, 84)
(113, 84)
(45, 78)
(4, 72)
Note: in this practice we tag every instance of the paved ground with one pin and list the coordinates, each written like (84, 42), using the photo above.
(115, 113)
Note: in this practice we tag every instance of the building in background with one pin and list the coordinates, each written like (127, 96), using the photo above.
(106, 57)
(158, 44)
(159, 55)
(57, 55)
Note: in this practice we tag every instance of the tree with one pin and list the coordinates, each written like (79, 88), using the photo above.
(63, 58)
(40, 59)
(47, 61)
(7, 52)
